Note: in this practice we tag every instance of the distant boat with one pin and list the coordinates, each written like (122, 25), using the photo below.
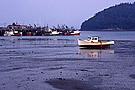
(8, 33)
(94, 42)
(55, 33)
(75, 32)
(12, 33)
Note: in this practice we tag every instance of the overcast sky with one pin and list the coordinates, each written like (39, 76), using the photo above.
(52, 12)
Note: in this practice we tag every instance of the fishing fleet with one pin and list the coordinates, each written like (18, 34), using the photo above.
(24, 30)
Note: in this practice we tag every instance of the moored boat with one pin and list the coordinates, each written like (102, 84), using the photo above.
(72, 32)
(12, 33)
(94, 42)
(55, 33)
(76, 32)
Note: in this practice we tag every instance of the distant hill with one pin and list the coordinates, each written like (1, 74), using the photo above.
(118, 17)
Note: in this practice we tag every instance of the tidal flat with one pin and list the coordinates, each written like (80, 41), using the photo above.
(57, 63)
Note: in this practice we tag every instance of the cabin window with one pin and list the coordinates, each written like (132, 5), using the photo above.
(94, 38)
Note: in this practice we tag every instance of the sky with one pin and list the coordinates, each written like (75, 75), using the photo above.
(52, 12)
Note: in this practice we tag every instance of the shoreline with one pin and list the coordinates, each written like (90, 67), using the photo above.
(107, 30)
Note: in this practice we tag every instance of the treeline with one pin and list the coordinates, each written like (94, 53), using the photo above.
(118, 17)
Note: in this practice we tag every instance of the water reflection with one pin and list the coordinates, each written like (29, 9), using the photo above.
(95, 53)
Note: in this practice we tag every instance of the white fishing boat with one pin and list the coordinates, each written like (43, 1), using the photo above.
(76, 32)
(8, 33)
(55, 33)
(12, 33)
(94, 42)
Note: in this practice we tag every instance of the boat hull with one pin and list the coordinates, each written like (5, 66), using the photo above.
(95, 46)
(101, 44)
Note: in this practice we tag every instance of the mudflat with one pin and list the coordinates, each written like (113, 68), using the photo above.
(57, 63)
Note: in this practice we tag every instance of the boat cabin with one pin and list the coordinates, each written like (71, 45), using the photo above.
(94, 38)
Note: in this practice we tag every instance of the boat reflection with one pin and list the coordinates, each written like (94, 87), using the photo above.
(95, 53)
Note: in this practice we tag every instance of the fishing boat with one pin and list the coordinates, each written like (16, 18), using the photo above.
(55, 33)
(94, 42)
(76, 32)
(12, 33)
(8, 33)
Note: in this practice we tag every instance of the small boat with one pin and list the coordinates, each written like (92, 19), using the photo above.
(76, 32)
(55, 33)
(94, 42)
(12, 33)
(8, 33)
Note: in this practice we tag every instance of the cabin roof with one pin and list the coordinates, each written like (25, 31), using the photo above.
(93, 37)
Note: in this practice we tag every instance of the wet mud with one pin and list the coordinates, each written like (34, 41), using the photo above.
(71, 84)
(57, 63)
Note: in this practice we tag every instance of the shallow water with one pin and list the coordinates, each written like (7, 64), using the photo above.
(57, 62)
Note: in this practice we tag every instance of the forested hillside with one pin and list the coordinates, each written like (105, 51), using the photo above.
(118, 17)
